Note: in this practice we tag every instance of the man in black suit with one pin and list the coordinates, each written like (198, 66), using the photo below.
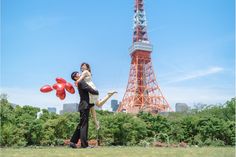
(81, 131)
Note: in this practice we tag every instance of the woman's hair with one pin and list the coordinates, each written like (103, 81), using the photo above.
(87, 65)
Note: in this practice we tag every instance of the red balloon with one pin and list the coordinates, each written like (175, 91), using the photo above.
(46, 89)
(58, 94)
(58, 86)
(55, 86)
(60, 80)
(61, 94)
(69, 88)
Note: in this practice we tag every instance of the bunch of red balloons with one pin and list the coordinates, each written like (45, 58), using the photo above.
(61, 87)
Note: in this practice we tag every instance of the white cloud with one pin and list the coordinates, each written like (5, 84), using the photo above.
(191, 95)
(194, 75)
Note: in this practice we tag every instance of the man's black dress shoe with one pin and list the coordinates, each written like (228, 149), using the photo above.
(72, 145)
(86, 147)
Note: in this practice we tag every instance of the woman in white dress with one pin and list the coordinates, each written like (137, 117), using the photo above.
(93, 99)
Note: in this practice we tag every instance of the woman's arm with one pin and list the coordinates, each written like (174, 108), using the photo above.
(83, 75)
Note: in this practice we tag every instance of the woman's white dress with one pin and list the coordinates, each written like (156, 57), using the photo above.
(92, 98)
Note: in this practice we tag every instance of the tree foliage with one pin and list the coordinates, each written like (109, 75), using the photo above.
(27, 125)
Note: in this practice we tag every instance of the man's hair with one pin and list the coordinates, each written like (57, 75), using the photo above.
(73, 75)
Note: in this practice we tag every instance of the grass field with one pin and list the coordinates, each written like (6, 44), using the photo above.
(118, 152)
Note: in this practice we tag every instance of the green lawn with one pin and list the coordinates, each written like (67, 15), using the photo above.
(118, 152)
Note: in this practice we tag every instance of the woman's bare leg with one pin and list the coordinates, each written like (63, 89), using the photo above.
(95, 117)
(104, 100)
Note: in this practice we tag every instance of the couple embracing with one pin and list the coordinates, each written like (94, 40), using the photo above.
(88, 99)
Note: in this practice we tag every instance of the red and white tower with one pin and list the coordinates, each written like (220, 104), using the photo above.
(142, 92)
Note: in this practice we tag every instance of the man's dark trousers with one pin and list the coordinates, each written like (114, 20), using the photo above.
(81, 131)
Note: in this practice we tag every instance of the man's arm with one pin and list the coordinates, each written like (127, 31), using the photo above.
(83, 85)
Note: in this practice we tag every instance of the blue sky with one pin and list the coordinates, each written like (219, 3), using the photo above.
(193, 56)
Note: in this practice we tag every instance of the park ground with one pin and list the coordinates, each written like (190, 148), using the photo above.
(119, 152)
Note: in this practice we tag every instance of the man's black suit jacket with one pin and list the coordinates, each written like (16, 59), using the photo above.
(84, 90)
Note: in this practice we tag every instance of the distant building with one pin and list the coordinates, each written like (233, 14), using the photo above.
(52, 109)
(69, 107)
(181, 107)
(114, 105)
(61, 112)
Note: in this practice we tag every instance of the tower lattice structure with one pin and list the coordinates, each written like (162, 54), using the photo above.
(142, 92)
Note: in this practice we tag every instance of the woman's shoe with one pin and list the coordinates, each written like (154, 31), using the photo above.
(112, 92)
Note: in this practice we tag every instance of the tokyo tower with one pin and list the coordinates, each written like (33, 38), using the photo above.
(142, 92)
